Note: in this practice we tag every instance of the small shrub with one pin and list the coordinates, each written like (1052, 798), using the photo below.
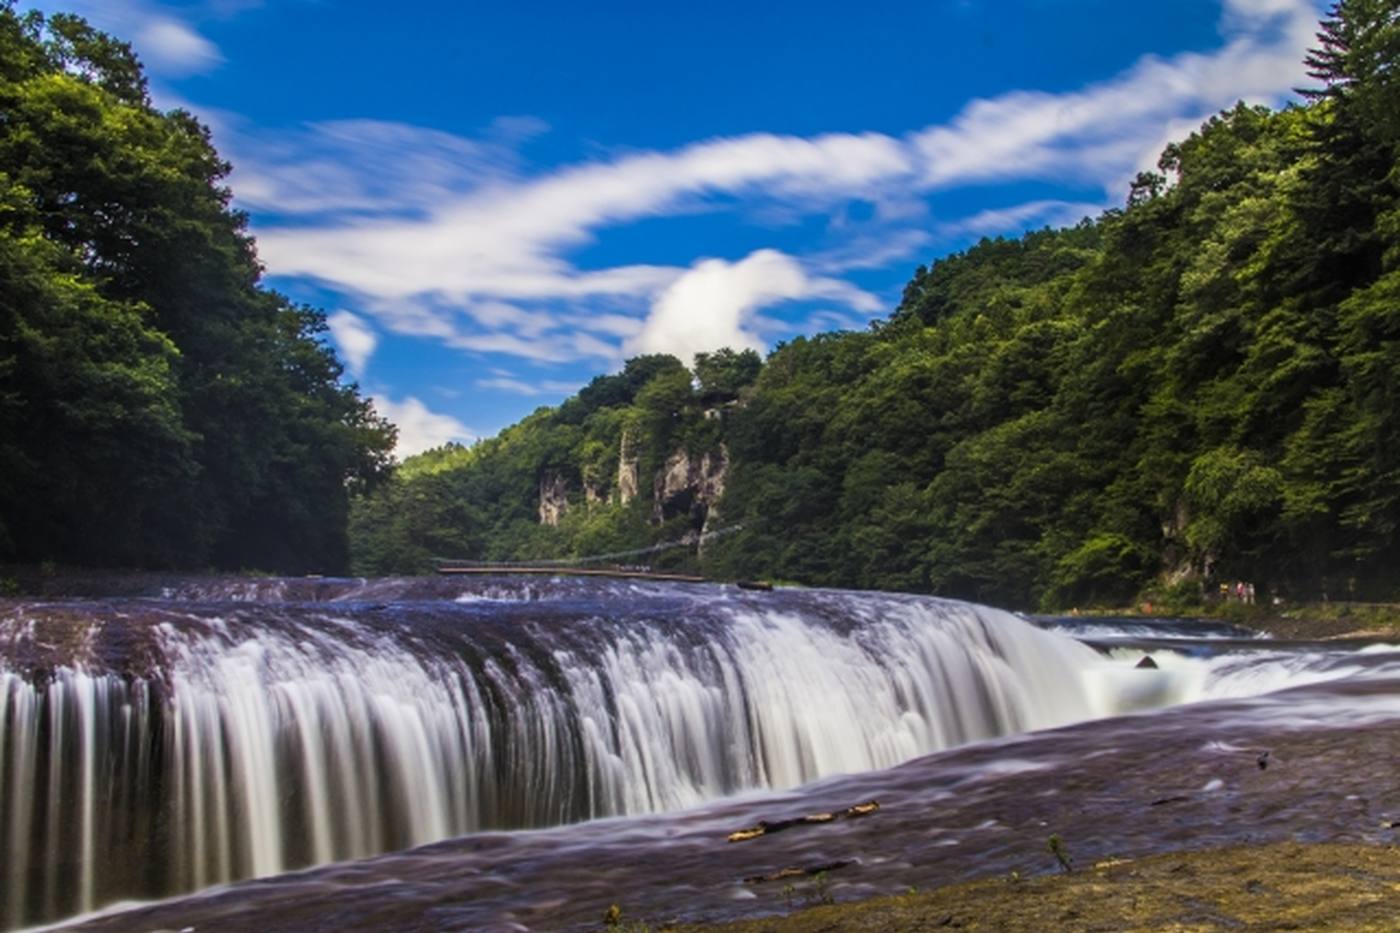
(1056, 846)
(821, 888)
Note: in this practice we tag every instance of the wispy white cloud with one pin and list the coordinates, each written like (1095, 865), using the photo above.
(871, 250)
(163, 36)
(173, 47)
(354, 338)
(819, 321)
(507, 240)
(369, 168)
(516, 386)
(1030, 134)
(459, 241)
(561, 347)
(1020, 217)
(419, 428)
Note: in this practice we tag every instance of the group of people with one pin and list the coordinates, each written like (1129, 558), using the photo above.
(1238, 591)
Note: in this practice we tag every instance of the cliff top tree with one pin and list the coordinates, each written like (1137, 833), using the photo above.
(724, 373)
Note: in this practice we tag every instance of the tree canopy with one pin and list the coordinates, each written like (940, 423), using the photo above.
(158, 408)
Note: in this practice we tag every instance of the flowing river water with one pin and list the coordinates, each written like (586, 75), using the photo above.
(207, 732)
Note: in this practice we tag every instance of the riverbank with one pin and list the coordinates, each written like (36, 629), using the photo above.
(1273, 887)
(1331, 620)
(1311, 621)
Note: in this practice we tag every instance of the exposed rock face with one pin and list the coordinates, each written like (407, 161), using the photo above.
(1179, 561)
(691, 485)
(554, 497)
(628, 480)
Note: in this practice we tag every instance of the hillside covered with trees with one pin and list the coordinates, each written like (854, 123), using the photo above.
(157, 407)
(1200, 386)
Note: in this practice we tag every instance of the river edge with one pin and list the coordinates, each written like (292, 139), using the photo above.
(1301, 622)
(1277, 886)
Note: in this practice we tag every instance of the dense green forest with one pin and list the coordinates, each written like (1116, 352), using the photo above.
(157, 407)
(1201, 386)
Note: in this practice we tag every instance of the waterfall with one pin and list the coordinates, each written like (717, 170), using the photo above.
(149, 747)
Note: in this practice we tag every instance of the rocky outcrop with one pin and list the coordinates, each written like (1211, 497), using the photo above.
(1181, 562)
(554, 497)
(628, 478)
(685, 485)
(689, 485)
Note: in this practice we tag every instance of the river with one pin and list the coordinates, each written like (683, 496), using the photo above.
(195, 733)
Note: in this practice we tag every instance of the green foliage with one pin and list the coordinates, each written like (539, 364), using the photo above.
(482, 502)
(821, 889)
(1056, 847)
(1197, 387)
(1106, 569)
(156, 407)
(725, 373)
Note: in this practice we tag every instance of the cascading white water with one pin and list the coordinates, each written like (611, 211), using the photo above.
(258, 740)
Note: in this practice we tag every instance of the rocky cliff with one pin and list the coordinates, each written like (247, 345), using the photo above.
(554, 497)
(693, 485)
(628, 470)
(686, 484)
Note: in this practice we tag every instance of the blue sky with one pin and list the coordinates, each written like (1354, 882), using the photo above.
(495, 202)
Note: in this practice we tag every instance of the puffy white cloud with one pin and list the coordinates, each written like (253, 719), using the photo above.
(354, 338)
(419, 428)
(713, 304)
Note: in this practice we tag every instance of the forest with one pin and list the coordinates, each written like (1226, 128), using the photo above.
(158, 407)
(1197, 387)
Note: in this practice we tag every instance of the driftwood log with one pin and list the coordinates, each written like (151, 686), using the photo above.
(767, 827)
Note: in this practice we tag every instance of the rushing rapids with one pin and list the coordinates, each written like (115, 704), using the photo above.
(217, 731)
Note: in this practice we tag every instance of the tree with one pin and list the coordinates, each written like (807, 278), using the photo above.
(723, 374)
(191, 418)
